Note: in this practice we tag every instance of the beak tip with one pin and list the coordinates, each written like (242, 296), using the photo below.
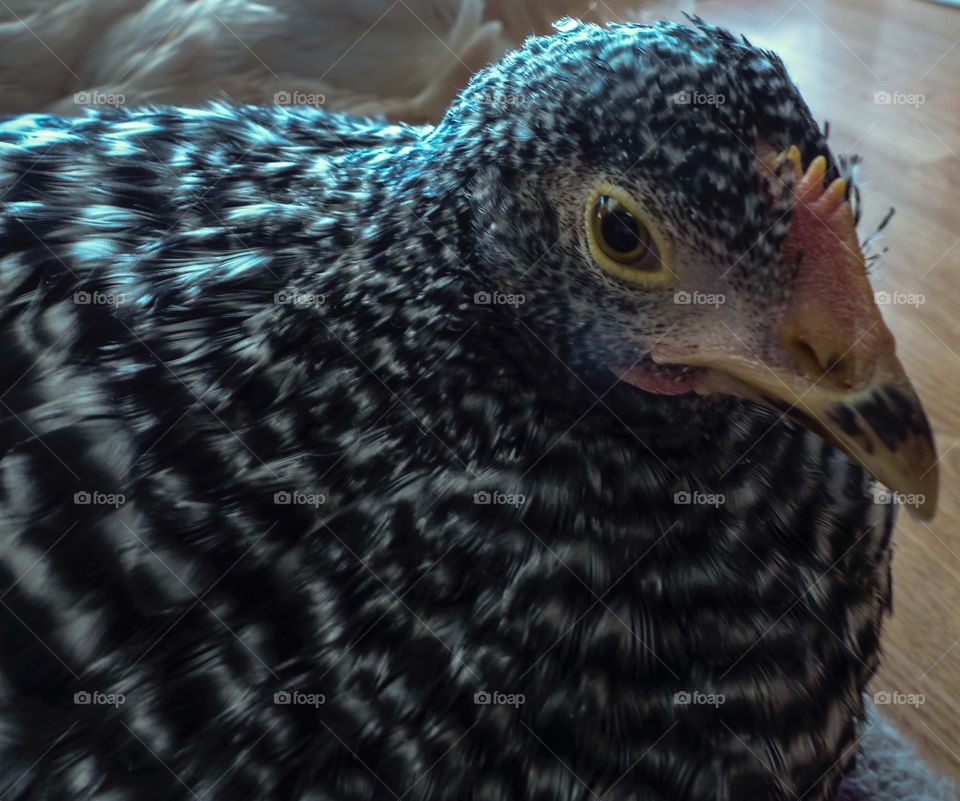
(924, 510)
(920, 491)
(923, 513)
(930, 489)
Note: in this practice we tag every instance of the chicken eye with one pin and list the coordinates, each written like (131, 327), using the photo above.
(621, 235)
(623, 239)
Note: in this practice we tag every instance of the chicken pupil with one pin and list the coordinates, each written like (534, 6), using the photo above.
(622, 232)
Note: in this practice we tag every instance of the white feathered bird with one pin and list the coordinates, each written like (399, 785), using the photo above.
(402, 58)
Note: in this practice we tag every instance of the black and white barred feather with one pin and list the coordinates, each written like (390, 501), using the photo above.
(248, 404)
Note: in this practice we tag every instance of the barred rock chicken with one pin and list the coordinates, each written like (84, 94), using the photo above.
(530, 456)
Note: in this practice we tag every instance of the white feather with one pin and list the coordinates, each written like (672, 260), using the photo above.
(401, 58)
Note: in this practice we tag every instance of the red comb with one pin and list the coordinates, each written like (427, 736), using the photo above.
(828, 205)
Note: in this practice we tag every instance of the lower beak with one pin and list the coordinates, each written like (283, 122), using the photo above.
(836, 371)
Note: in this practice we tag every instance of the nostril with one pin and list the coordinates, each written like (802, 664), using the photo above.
(834, 368)
(806, 357)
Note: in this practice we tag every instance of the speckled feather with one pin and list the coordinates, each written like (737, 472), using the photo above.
(283, 301)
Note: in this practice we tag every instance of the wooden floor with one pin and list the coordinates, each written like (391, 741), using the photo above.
(842, 53)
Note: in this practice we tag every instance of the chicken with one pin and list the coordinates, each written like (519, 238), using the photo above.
(527, 456)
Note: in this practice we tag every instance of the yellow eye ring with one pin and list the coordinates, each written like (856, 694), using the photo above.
(623, 239)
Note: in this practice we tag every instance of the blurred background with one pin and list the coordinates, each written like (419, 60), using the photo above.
(884, 73)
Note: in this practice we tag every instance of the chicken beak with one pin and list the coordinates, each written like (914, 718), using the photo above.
(836, 371)
(880, 424)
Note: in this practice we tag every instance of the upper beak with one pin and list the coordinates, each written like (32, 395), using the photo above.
(839, 374)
